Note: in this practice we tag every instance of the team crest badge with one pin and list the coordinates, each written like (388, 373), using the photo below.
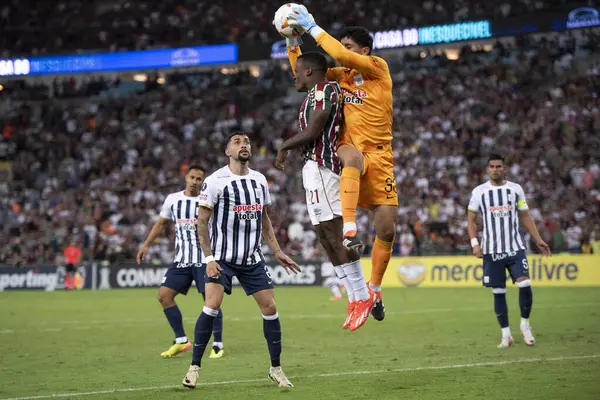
(358, 80)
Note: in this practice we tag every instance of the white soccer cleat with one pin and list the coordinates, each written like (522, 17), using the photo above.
(527, 336)
(276, 375)
(191, 378)
(506, 342)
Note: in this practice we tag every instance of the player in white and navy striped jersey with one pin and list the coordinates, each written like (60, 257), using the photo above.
(502, 205)
(232, 221)
(188, 266)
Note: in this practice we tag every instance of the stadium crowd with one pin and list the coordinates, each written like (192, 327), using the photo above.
(38, 27)
(95, 172)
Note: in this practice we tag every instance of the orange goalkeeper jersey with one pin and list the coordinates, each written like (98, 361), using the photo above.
(367, 87)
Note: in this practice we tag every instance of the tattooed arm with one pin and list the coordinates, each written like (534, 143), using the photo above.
(204, 214)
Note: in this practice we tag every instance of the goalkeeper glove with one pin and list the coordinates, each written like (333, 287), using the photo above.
(302, 18)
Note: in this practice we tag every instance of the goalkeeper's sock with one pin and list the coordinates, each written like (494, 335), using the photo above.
(349, 193)
(381, 255)
(175, 319)
(272, 331)
(202, 333)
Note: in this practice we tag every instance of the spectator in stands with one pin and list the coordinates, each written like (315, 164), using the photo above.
(97, 168)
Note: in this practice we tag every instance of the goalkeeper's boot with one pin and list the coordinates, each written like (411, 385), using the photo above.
(527, 335)
(362, 311)
(378, 311)
(176, 349)
(348, 320)
(216, 352)
(276, 375)
(191, 378)
(506, 342)
(352, 242)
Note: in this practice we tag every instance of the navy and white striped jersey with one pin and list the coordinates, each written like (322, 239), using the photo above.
(499, 206)
(183, 211)
(237, 202)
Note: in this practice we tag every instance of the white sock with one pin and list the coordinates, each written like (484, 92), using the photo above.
(181, 340)
(335, 291)
(506, 333)
(524, 322)
(349, 226)
(356, 277)
(218, 344)
(374, 288)
(341, 274)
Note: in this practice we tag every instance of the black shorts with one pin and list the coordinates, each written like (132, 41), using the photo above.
(180, 278)
(70, 268)
(496, 265)
(252, 278)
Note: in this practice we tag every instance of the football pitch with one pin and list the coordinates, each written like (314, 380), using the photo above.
(433, 344)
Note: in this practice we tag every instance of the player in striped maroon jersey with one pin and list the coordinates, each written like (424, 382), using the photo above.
(321, 118)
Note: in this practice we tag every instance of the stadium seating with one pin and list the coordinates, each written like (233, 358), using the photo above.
(34, 26)
(81, 163)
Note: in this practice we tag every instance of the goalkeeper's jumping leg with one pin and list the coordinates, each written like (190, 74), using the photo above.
(353, 162)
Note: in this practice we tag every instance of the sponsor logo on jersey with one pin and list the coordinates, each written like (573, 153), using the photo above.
(249, 207)
(188, 224)
(247, 212)
(500, 211)
(355, 96)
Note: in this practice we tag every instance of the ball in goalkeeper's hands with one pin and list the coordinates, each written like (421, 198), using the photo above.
(281, 23)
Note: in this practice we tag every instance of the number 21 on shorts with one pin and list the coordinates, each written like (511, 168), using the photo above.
(314, 196)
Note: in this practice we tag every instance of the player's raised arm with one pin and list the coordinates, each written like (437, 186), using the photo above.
(293, 53)
(365, 63)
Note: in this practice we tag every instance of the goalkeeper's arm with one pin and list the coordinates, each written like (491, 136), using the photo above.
(293, 53)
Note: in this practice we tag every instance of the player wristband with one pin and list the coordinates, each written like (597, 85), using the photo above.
(315, 31)
(474, 242)
(209, 259)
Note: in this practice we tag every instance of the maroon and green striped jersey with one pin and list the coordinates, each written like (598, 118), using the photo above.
(324, 96)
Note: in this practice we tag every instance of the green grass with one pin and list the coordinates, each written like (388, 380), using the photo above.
(77, 342)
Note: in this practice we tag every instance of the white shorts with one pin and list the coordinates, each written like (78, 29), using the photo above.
(322, 188)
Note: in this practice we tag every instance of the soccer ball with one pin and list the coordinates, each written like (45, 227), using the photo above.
(281, 21)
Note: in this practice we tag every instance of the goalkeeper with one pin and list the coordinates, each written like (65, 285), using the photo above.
(365, 147)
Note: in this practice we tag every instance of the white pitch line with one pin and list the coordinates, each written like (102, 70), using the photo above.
(328, 375)
(80, 325)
